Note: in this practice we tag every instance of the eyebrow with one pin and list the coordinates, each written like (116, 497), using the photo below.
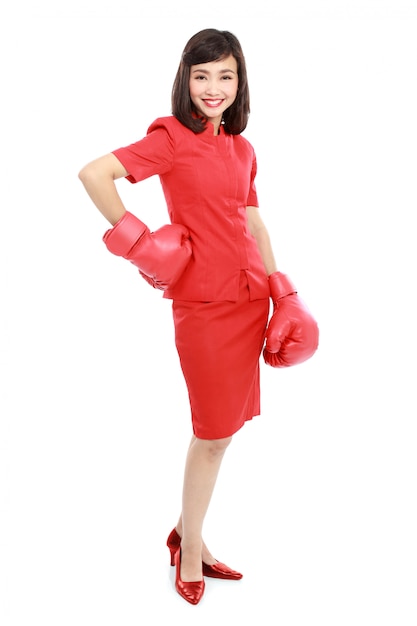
(221, 71)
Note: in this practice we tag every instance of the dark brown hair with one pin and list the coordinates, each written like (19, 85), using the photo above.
(206, 46)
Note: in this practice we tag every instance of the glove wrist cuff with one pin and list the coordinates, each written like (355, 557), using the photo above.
(280, 286)
(125, 233)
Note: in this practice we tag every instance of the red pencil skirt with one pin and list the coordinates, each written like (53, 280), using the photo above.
(219, 345)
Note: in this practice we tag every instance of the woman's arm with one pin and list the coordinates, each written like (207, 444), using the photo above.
(259, 231)
(98, 179)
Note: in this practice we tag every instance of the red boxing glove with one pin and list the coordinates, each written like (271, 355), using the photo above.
(161, 256)
(292, 335)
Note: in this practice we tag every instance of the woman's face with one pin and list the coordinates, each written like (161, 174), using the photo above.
(213, 88)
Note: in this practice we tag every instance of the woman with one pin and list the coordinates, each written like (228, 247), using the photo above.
(215, 262)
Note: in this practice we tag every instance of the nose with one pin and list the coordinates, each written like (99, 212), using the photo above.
(212, 88)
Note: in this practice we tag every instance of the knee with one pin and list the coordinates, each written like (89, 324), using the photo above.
(216, 447)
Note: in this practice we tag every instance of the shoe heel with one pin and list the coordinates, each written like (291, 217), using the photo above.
(173, 543)
(172, 556)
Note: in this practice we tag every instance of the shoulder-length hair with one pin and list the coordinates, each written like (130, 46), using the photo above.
(206, 46)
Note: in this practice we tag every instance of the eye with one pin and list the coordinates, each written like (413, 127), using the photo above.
(227, 77)
(200, 77)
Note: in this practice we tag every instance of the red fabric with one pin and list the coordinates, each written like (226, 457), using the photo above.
(221, 302)
(208, 181)
(219, 345)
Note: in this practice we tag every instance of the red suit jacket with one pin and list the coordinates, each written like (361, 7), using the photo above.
(208, 181)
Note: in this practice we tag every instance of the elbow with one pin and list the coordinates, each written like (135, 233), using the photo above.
(98, 171)
(82, 174)
(85, 174)
(91, 176)
(258, 231)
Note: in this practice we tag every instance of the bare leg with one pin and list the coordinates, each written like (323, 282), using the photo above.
(201, 469)
(206, 555)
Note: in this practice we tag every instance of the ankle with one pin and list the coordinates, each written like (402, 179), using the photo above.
(191, 545)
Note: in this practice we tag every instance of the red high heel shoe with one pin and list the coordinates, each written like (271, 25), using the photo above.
(217, 570)
(190, 591)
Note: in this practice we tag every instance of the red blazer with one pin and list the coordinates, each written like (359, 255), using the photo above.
(208, 181)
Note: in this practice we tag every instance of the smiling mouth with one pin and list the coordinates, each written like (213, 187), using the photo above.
(213, 103)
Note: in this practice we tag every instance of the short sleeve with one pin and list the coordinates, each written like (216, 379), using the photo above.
(253, 196)
(152, 155)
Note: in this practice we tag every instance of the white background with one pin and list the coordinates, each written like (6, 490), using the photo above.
(316, 498)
